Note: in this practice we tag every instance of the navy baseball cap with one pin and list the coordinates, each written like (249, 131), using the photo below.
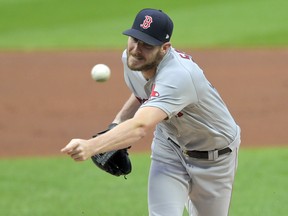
(151, 26)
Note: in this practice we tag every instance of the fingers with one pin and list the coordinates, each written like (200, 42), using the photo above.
(74, 143)
(75, 150)
(77, 156)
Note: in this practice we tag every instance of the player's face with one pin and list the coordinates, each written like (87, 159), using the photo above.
(142, 56)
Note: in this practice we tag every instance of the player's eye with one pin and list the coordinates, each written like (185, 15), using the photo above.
(135, 39)
(142, 44)
(148, 46)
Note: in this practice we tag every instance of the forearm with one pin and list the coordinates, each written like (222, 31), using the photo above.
(128, 110)
(122, 136)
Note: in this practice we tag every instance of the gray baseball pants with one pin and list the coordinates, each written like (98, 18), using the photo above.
(203, 186)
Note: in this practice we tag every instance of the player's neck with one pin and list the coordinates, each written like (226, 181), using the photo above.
(148, 74)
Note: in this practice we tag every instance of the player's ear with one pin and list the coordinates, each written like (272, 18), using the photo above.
(165, 47)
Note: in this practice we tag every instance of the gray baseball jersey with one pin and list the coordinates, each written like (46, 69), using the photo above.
(198, 117)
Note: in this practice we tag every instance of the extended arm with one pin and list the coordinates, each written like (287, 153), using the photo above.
(122, 136)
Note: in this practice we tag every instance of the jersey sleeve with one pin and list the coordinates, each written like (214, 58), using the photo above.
(172, 91)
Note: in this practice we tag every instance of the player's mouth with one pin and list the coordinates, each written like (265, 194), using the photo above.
(135, 59)
(135, 62)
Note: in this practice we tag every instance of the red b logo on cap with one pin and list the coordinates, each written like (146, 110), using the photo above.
(146, 23)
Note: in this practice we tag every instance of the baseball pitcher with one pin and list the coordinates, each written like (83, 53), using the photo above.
(196, 140)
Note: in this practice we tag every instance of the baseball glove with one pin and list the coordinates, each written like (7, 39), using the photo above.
(115, 162)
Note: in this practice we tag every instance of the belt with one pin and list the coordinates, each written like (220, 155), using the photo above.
(208, 155)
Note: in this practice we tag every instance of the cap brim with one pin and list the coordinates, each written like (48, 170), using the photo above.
(143, 37)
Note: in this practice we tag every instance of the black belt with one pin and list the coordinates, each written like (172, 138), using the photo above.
(208, 155)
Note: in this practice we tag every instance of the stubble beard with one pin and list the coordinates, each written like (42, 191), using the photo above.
(146, 66)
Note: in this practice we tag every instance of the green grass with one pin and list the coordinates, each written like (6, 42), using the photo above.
(261, 183)
(94, 24)
(58, 186)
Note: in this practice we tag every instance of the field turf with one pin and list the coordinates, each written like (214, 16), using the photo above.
(57, 186)
(94, 24)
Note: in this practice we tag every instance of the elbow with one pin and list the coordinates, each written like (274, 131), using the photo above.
(142, 131)
(138, 129)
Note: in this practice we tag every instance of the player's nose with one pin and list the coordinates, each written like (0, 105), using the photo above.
(137, 48)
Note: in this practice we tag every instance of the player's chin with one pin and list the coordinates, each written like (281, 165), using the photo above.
(135, 63)
(135, 66)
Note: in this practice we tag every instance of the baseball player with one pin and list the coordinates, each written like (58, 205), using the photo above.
(196, 140)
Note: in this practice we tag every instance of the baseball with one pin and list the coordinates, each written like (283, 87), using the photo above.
(100, 73)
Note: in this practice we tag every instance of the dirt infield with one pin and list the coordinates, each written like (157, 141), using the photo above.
(47, 98)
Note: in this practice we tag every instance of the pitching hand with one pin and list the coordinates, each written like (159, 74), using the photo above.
(77, 149)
